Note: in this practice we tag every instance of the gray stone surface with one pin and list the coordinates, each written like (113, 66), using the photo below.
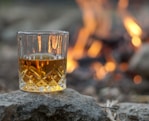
(133, 112)
(140, 61)
(67, 105)
(36, 17)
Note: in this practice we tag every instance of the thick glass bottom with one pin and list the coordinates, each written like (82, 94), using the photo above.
(30, 87)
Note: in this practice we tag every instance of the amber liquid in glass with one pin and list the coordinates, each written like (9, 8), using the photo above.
(42, 73)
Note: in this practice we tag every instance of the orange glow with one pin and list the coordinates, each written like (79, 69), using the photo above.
(134, 31)
(94, 49)
(99, 69)
(71, 62)
(110, 66)
(132, 27)
(123, 66)
(123, 4)
(80, 43)
(94, 22)
(137, 79)
(89, 27)
(39, 43)
(136, 41)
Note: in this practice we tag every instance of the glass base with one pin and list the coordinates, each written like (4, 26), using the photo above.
(30, 87)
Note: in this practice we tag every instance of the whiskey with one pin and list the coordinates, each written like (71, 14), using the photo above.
(42, 73)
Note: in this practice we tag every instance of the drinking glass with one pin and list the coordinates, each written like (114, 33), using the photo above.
(42, 57)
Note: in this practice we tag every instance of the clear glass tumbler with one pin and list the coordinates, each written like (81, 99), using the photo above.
(42, 58)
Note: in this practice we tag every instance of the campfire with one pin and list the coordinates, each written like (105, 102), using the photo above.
(101, 49)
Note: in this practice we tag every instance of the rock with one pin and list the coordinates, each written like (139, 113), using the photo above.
(2, 86)
(62, 22)
(111, 93)
(9, 74)
(133, 112)
(41, 17)
(139, 63)
(67, 105)
(8, 68)
(8, 52)
(9, 33)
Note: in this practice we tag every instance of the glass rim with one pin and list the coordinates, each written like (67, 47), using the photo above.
(43, 32)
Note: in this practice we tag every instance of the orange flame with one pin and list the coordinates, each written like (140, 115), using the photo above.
(134, 31)
(100, 71)
(132, 27)
(136, 41)
(89, 22)
(80, 43)
(110, 66)
(94, 49)
(71, 62)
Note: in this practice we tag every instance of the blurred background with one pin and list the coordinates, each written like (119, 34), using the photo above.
(108, 55)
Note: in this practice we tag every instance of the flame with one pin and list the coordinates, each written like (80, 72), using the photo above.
(137, 79)
(95, 48)
(136, 41)
(71, 62)
(134, 31)
(100, 71)
(110, 66)
(132, 27)
(94, 21)
(89, 27)
(80, 43)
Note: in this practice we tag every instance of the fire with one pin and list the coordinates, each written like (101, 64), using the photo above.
(95, 49)
(137, 79)
(134, 31)
(132, 27)
(98, 24)
(80, 43)
(89, 10)
(136, 41)
(71, 62)
(89, 27)
(110, 66)
(100, 71)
